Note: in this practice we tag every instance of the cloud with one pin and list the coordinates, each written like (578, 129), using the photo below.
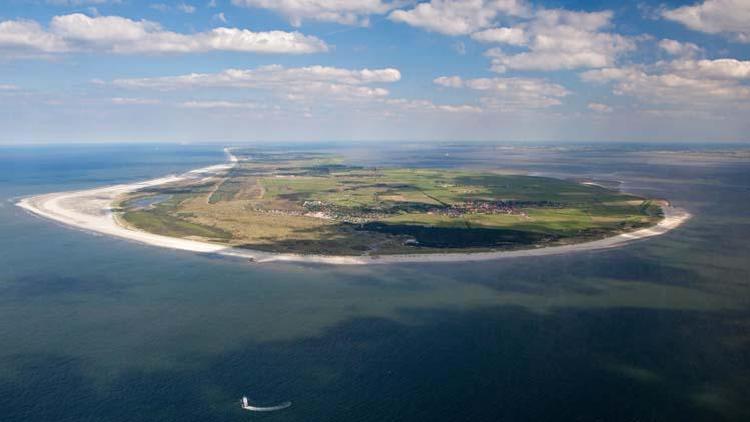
(729, 17)
(712, 69)
(8, 87)
(27, 37)
(509, 94)
(347, 12)
(512, 36)
(676, 48)
(449, 81)
(457, 17)
(599, 108)
(553, 39)
(558, 39)
(296, 84)
(114, 34)
(686, 84)
(426, 105)
(134, 101)
(76, 3)
(159, 6)
(185, 8)
(219, 17)
(220, 105)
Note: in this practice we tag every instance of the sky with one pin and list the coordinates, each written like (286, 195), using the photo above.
(390, 70)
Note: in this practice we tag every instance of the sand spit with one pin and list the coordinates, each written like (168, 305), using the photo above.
(91, 210)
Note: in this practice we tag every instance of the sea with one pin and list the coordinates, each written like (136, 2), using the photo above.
(94, 328)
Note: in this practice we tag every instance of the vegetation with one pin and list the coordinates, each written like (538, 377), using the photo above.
(314, 203)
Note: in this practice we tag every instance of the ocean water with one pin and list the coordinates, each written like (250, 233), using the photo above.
(100, 329)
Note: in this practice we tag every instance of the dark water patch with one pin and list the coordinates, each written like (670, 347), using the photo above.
(511, 365)
(51, 285)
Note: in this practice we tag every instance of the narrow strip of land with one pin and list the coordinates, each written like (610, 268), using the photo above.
(91, 210)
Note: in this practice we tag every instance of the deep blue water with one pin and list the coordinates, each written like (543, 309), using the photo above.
(100, 329)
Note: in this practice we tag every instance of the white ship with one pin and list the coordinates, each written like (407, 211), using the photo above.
(246, 405)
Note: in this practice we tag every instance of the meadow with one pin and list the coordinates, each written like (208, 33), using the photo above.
(314, 203)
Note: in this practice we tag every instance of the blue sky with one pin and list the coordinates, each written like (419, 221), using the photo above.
(311, 70)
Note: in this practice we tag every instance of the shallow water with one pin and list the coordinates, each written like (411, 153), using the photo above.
(95, 328)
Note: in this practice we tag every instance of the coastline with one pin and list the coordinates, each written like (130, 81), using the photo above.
(91, 210)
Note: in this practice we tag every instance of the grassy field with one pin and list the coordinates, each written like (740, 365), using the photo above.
(314, 203)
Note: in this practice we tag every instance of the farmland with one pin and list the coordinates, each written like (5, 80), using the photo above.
(315, 203)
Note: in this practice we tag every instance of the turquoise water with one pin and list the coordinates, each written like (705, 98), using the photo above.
(100, 329)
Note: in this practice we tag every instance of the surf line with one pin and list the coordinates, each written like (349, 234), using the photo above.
(247, 406)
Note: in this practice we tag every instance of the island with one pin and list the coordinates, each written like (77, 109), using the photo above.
(312, 203)
(298, 206)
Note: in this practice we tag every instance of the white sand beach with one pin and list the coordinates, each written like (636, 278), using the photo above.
(91, 210)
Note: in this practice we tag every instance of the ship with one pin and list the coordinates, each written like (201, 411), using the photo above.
(247, 406)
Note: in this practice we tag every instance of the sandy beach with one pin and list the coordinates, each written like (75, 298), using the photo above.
(91, 210)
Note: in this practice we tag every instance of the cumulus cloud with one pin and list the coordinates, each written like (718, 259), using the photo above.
(512, 36)
(77, 3)
(298, 84)
(599, 108)
(449, 81)
(220, 105)
(509, 93)
(426, 105)
(553, 39)
(728, 17)
(689, 84)
(676, 48)
(347, 12)
(25, 37)
(219, 17)
(459, 17)
(186, 8)
(114, 34)
(712, 69)
(134, 101)
(558, 39)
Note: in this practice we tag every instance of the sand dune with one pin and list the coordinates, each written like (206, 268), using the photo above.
(91, 210)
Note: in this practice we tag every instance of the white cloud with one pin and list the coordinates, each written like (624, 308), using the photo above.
(559, 39)
(512, 36)
(26, 37)
(554, 39)
(114, 34)
(220, 105)
(728, 17)
(296, 84)
(134, 101)
(426, 105)
(677, 48)
(459, 17)
(712, 69)
(219, 17)
(459, 47)
(186, 8)
(77, 3)
(599, 108)
(509, 93)
(347, 12)
(449, 81)
(8, 87)
(690, 85)
(159, 6)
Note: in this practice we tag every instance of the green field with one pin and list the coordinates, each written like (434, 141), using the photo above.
(315, 203)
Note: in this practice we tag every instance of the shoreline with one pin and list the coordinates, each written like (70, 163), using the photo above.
(91, 210)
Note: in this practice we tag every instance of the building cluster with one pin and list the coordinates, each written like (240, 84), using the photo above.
(479, 207)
